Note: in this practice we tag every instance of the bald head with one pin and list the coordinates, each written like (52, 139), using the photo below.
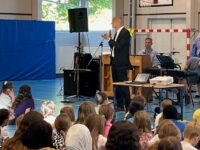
(116, 22)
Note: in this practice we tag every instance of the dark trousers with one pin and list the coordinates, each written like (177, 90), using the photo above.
(121, 93)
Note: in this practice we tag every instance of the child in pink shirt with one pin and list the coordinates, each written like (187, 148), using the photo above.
(107, 111)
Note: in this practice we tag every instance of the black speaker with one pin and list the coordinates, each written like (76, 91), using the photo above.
(88, 82)
(78, 20)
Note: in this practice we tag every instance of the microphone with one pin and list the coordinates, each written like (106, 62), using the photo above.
(110, 34)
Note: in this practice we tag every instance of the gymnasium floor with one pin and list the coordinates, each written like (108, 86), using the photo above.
(53, 90)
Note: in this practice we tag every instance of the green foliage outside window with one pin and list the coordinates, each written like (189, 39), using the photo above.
(100, 13)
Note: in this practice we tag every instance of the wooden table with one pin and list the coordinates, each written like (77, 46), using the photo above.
(161, 88)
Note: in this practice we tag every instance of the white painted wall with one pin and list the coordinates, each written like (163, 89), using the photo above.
(19, 9)
(183, 14)
(66, 44)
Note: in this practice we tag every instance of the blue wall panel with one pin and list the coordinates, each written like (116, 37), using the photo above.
(27, 50)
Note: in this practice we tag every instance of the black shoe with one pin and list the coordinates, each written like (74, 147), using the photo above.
(196, 96)
(178, 99)
(119, 109)
(175, 102)
(187, 99)
(193, 91)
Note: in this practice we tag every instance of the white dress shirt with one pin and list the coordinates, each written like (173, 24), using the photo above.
(115, 39)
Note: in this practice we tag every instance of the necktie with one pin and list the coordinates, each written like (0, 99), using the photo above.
(112, 51)
(115, 36)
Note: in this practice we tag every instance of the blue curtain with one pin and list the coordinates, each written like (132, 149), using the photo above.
(27, 50)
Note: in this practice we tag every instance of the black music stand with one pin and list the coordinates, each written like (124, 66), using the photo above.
(166, 62)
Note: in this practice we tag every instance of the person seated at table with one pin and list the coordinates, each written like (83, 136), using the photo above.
(193, 65)
(150, 51)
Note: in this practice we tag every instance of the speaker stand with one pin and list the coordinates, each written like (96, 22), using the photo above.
(77, 97)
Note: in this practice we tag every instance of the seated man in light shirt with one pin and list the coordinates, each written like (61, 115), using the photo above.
(149, 51)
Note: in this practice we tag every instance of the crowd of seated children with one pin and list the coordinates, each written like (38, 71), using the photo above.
(142, 121)
(69, 111)
(95, 124)
(107, 112)
(94, 131)
(85, 109)
(48, 111)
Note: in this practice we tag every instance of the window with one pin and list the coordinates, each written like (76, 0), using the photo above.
(56, 10)
(100, 14)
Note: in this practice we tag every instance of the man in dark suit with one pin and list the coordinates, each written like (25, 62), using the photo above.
(120, 62)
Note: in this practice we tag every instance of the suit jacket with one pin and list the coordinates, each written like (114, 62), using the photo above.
(121, 51)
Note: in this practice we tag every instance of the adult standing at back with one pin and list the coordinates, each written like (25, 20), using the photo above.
(120, 61)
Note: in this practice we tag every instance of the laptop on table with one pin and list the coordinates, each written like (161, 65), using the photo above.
(141, 78)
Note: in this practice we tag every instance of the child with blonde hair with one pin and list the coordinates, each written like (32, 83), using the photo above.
(48, 111)
(196, 116)
(191, 136)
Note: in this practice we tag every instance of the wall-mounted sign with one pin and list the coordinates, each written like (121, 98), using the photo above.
(155, 3)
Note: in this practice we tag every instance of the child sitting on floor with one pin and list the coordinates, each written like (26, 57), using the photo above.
(191, 136)
(108, 112)
(62, 124)
(137, 104)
